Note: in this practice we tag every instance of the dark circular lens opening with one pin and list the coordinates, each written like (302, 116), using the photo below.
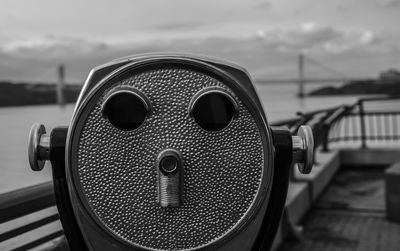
(125, 110)
(213, 111)
(168, 164)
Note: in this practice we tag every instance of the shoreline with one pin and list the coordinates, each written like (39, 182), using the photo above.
(367, 87)
(26, 94)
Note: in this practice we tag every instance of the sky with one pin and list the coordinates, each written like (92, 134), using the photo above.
(357, 38)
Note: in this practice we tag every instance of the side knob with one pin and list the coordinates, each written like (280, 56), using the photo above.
(38, 147)
(303, 149)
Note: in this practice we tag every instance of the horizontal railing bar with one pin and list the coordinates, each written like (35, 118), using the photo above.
(336, 115)
(374, 137)
(336, 139)
(312, 113)
(380, 98)
(368, 137)
(301, 116)
(377, 113)
(40, 241)
(285, 122)
(28, 227)
(27, 200)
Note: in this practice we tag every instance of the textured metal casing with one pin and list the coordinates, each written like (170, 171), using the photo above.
(88, 174)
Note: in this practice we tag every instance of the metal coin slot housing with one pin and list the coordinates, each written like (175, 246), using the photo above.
(170, 178)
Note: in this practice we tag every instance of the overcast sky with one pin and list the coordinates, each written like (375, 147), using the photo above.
(358, 38)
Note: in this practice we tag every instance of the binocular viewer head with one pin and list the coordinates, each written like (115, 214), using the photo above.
(169, 152)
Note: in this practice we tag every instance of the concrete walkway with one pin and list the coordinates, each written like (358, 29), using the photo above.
(350, 215)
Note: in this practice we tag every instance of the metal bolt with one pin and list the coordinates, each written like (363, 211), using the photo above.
(303, 149)
(38, 147)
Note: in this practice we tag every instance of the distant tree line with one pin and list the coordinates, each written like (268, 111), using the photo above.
(360, 87)
(387, 83)
(19, 94)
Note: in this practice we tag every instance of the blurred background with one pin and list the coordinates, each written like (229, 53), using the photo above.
(321, 44)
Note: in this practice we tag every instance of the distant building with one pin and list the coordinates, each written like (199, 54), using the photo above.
(390, 76)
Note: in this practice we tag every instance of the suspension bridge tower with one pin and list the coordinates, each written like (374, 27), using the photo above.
(302, 80)
(48, 76)
(60, 85)
(301, 93)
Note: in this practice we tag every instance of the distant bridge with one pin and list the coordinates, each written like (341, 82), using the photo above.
(310, 80)
(301, 80)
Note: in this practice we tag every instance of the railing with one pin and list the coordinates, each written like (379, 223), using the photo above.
(356, 122)
(367, 122)
(22, 202)
(364, 121)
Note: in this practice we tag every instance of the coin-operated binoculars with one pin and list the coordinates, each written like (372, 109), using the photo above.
(170, 152)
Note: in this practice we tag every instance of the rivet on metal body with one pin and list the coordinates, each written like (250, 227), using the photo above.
(303, 149)
(170, 178)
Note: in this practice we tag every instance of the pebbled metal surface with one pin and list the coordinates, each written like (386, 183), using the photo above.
(223, 171)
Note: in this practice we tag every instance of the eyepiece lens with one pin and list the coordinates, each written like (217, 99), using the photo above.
(213, 111)
(125, 110)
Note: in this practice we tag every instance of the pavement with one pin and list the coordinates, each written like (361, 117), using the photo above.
(349, 215)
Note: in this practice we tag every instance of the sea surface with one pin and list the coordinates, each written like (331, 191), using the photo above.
(279, 102)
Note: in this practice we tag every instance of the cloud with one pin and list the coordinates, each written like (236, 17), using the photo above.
(268, 52)
(388, 3)
(314, 37)
(28, 59)
(178, 26)
(50, 46)
(262, 5)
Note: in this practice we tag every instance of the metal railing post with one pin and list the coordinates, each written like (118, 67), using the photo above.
(325, 143)
(362, 124)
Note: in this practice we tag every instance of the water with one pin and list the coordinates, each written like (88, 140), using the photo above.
(279, 102)
(15, 124)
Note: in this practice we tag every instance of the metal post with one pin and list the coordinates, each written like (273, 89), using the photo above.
(362, 124)
(301, 75)
(60, 85)
(325, 147)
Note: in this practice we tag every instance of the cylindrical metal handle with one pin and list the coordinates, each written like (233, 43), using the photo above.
(303, 149)
(38, 147)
